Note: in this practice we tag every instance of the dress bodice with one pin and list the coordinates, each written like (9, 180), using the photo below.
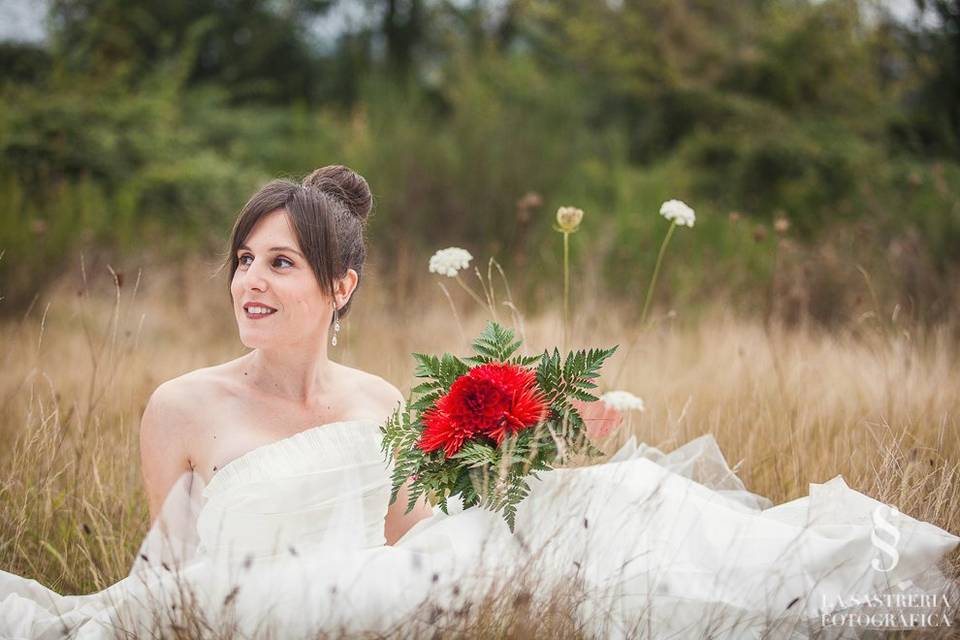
(327, 484)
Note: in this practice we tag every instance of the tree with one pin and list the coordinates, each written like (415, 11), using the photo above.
(258, 50)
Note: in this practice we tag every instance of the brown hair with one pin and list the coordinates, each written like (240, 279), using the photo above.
(329, 210)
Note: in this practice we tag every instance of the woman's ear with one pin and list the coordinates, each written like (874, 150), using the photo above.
(344, 287)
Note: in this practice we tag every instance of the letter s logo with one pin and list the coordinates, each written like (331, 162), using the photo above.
(887, 548)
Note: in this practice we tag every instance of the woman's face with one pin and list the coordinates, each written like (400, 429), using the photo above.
(273, 275)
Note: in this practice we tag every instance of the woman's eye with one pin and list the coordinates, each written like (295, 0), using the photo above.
(278, 262)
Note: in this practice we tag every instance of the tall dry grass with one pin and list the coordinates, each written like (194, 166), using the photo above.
(875, 401)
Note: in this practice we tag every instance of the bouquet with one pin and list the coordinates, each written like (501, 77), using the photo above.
(479, 426)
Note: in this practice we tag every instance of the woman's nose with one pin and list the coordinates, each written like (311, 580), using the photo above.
(255, 278)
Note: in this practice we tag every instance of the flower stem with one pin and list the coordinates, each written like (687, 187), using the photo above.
(453, 308)
(472, 293)
(656, 272)
(488, 292)
(566, 288)
(646, 304)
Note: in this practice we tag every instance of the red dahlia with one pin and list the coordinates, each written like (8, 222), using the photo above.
(494, 400)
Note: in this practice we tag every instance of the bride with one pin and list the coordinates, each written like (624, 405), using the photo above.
(268, 496)
(296, 257)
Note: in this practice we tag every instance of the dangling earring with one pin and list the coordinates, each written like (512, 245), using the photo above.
(336, 324)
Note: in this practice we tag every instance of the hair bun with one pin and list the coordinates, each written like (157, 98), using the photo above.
(344, 183)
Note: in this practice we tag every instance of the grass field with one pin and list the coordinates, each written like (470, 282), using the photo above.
(875, 401)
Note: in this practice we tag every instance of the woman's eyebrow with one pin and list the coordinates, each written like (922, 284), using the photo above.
(290, 249)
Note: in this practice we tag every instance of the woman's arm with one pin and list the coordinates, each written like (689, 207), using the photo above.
(397, 522)
(163, 454)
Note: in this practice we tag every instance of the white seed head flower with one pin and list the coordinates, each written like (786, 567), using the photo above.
(449, 261)
(679, 212)
(623, 401)
(568, 218)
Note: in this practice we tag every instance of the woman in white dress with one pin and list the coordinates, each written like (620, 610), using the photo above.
(269, 494)
(296, 258)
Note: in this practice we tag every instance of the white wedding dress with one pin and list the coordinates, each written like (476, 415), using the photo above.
(288, 539)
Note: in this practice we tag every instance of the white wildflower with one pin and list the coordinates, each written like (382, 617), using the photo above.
(679, 212)
(449, 261)
(623, 401)
(569, 218)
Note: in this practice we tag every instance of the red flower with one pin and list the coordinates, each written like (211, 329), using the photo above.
(494, 400)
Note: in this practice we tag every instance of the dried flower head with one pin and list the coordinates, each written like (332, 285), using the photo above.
(530, 200)
(781, 225)
(623, 401)
(678, 212)
(569, 218)
(449, 261)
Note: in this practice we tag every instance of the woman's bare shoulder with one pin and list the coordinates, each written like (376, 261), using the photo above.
(182, 400)
(188, 386)
(383, 395)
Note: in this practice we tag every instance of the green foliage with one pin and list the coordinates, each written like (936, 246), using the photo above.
(931, 123)
(482, 473)
(92, 167)
(35, 245)
(575, 376)
(809, 167)
(158, 119)
(494, 345)
(259, 50)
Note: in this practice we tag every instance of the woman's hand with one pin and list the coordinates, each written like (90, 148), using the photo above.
(601, 419)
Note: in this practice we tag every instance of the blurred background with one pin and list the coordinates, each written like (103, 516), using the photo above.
(818, 141)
